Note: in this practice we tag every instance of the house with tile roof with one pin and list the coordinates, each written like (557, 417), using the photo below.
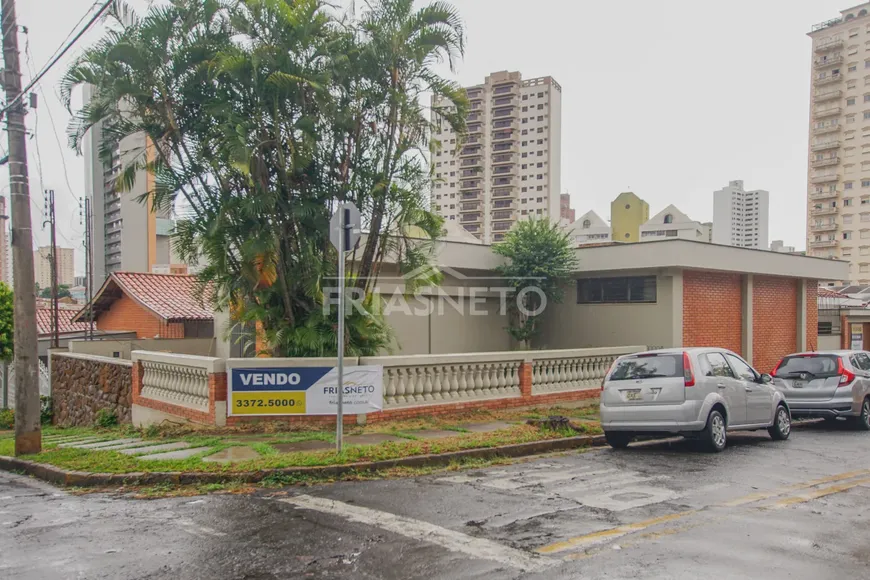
(152, 306)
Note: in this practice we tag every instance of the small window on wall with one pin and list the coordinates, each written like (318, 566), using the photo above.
(637, 289)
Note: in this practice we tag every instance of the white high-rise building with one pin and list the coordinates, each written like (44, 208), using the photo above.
(740, 217)
(509, 167)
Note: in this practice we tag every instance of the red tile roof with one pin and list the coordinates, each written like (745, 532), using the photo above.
(64, 322)
(171, 297)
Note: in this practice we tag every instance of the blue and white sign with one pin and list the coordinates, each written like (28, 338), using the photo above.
(304, 390)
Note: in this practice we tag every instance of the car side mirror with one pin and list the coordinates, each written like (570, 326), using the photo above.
(765, 379)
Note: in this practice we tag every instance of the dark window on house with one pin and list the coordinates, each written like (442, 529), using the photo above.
(616, 290)
(826, 328)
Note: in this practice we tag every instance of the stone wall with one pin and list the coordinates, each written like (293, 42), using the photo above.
(81, 385)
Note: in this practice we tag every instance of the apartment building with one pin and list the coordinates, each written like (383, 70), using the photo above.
(838, 194)
(66, 270)
(672, 223)
(740, 217)
(508, 167)
(566, 212)
(627, 213)
(589, 228)
(127, 235)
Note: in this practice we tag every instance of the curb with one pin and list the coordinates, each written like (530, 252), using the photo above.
(64, 477)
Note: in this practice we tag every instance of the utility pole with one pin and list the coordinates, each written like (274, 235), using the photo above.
(28, 432)
(49, 203)
(89, 268)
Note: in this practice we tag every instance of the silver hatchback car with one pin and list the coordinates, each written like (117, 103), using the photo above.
(829, 384)
(697, 392)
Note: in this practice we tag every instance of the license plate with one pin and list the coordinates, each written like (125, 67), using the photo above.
(633, 396)
(799, 384)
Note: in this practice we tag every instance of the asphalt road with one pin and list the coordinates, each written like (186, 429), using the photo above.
(761, 509)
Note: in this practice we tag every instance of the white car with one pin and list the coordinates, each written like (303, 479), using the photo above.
(700, 393)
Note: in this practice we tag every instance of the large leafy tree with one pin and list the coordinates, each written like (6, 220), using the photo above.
(540, 259)
(260, 116)
(6, 323)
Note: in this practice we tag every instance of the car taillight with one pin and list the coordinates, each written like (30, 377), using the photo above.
(688, 375)
(846, 376)
(607, 374)
(776, 368)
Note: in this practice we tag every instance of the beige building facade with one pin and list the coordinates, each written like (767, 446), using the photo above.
(66, 270)
(838, 195)
(508, 167)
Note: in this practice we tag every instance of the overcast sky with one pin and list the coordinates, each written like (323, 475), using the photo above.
(669, 98)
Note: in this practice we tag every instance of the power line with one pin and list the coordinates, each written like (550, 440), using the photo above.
(57, 57)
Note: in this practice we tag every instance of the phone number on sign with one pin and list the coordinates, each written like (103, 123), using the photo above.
(268, 403)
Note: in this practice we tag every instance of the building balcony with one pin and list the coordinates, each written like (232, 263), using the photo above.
(824, 211)
(505, 101)
(475, 128)
(502, 159)
(470, 206)
(502, 226)
(503, 135)
(505, 112)
(465, 163)
(507, 89)
(504, 170)
(503, 191)
(470, 173)
(502, 215)
(504, 204)
(824, 244)
(833, 144)
(824, 194)
(825, 162)
(474, 195)
(469, 185)
(825, 178)
(821, 96)
(828, 61)
(471, 218)
(827, 112)
(504, 182)
(826, 129)
(506, 147)
(824, 227)
(470, 151)
(827, 80)
(832, 44)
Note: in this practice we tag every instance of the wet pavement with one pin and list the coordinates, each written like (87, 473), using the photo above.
(761, 509)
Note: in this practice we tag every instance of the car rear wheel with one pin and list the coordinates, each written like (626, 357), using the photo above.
(781, 428)
(618, 439)
(863, 420)
(714, 436)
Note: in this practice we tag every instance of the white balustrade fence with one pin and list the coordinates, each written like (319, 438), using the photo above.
(177, 379)
(555, 371)
(433, 379)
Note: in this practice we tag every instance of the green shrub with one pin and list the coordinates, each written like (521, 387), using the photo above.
(106, 419)
(46, 410)
(7, 419)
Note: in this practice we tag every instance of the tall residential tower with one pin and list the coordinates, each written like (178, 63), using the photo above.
(509, 166)
(838, 194)
(740, 217)
(126, 234)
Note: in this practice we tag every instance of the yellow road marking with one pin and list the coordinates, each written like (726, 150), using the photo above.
(605, 535)
(825, 491)
(755, 497)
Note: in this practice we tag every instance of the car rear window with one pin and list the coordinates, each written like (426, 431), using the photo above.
(647, 367)
(820, 366)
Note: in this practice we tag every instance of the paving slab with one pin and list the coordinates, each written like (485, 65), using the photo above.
(180, 454)
(485, 427)
(434, 434)
(231, 454)
(312, 445)
(102, 444)
(156, 448)
(80, 441)
(140, 444)
(371, 439)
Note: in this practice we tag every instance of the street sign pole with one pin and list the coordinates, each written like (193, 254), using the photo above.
(342, 244)
(344, 233)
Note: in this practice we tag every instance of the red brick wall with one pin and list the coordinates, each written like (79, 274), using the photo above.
(712, 310)
(127, 314)
(774, 320)
(812, 314)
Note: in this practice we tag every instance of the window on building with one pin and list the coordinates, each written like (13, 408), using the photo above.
(616, 290)
(847, 185)
(852, 67)
(847, 219)
(850, 101)
(847, 235)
